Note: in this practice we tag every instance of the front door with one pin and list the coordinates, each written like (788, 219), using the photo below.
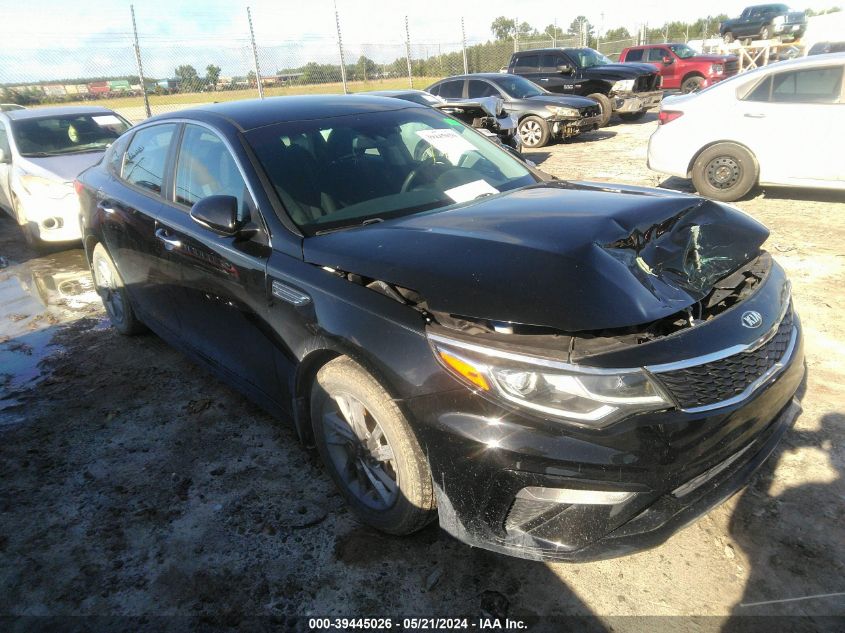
(553, 79)
(5, 169)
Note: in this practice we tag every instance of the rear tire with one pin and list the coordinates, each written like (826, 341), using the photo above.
(632, 116)
(728, 37)
(724, 172)
(606, 107)
(765, 33)
(112, 291)
(369, 449)
(692, 84)
(534, 132)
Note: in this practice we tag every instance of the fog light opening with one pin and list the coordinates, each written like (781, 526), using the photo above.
(575, 497)
(52, 223)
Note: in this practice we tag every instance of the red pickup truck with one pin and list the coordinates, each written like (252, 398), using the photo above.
(681, 67)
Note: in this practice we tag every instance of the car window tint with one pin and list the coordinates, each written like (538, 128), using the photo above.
(634, 56)
(478, 89)
(146, 156)
(812, 85)
(550, 61)
(452, 89)
(656, 54)
(527, 64)
(761, 92)
(114, 157)
(206, 167)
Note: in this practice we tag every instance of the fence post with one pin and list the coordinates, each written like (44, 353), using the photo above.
(464, 40)
(340, 49)
(138, 62)
(408, 53)
(516, 35)
(554, 35)
(255, 55)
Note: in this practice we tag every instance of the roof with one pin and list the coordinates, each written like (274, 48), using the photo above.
(38, 113)
(478, 76)
(249, 114)
(393, 93)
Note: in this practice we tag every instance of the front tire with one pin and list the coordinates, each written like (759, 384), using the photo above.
(112, 291)
(369, 449)
(692, 84)
(765, 33)
(724, 172)
(534, 132)
(606, 107)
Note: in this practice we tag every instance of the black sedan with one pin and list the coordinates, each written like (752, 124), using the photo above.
(556, 370)
(542, 115)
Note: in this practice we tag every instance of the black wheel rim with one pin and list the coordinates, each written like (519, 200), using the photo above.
(723, 172)
(360, 452)
(109, 291)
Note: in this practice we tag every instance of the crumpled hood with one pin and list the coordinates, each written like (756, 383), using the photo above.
(571, 256)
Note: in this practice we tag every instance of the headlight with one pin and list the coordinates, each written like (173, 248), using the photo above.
(623, 85)
(45, 187)
(578, 395)
(717, 69)
(562, 111)
(500, 107)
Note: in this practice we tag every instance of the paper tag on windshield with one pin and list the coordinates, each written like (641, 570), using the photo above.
(471, 191)
(106, 119)
(447, 142)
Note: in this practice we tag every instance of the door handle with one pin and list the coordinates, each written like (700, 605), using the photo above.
(754, 115)
(106, 207)
(169, 242)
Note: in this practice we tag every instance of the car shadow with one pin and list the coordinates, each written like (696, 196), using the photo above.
(770, 193)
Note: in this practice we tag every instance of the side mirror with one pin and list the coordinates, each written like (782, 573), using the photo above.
(564, 69)
(5, 159)
(668, 60)
(219, 213)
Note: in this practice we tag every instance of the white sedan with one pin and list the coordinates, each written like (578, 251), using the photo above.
(783, 124)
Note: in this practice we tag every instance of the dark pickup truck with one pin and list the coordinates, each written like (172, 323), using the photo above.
(626, 89)
(763, 22)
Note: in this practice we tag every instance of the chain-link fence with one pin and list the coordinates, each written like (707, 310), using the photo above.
(139, 72)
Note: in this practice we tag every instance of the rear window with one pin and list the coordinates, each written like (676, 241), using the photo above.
(146, 157)
(634, 55)
(527, 64)
(451, 89)
(72, 134)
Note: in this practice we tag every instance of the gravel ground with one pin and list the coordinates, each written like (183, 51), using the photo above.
(132, 483)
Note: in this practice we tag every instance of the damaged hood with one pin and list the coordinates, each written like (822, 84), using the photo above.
(570, 256)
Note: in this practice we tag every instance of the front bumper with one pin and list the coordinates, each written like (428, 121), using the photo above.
(570, 128)
(636, 101)
(54, 219)
(789, 29)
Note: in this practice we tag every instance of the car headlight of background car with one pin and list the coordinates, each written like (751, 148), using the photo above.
(623, 85)
(562, 111)
(577, 395)
(717, 69)
(41, 187)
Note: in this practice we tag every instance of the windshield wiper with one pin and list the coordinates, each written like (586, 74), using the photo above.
(350, 226)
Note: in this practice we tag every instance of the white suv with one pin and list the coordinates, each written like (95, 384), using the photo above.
(783, 124)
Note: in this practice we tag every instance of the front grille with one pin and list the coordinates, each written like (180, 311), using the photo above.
(590, 111)
(720, 380)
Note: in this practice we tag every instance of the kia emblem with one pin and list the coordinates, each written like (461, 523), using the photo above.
(752, 319)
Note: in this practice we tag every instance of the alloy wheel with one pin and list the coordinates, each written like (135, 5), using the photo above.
(360, 452)
(723, 172)
(530, 132)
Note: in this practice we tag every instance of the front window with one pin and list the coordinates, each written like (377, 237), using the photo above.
(683, 51)
(587, 57)
(345, 171)
(146, 156)
(72, 134)
(517, 87)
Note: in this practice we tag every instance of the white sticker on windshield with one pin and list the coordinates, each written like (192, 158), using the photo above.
(106, 119)
(471, 191)
(447, 142)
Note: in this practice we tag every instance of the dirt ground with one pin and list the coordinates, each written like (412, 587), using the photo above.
(133, 483)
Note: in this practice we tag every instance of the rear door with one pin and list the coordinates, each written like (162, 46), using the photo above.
(223, 299)
(808, 101)
(551, 78)
(131, 206)
(528, 66)
(5, 169)
(450, 89)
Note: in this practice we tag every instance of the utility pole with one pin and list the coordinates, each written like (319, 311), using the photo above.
(255, 55)
(408, 53)
(138, 62)
(516, 35)
(340, 49)
(554, 35)
(464, 39)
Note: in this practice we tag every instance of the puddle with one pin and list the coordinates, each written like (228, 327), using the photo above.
(36, 298)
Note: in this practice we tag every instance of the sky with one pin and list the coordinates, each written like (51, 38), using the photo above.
(44, 39)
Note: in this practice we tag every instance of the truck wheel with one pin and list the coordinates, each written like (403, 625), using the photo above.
(534, 132)
(112, 291)
(632, 116)
(692, 84)
(765, 32)
(724, 172)
(369, 449)
(606, 107)
(728, 37)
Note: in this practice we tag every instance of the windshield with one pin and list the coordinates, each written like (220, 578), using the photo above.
(587, 57)
(517, 87)
(56, 135)
(682, 50)
(344, 171)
